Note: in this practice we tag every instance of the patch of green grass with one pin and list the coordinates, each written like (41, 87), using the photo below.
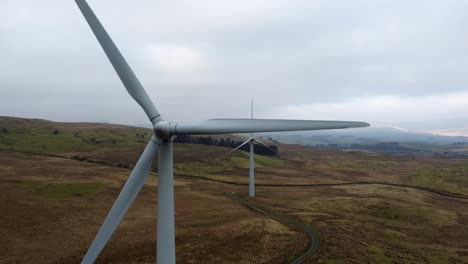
(41, 136)
(212, 171)
(416, 252)
(243, 162)
(40, 140)
(219, 167)
(405, 215)
(387, 211)
(238, 162)
(197, 169)
(364, 165)
(268, 161)
(378, 254)
(62, 190)
(453, 179)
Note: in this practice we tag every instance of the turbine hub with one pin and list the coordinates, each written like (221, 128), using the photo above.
(163, 130)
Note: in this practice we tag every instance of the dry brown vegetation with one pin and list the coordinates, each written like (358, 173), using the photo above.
(50, 214)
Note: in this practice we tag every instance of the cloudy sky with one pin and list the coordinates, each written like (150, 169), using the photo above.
(391, 63)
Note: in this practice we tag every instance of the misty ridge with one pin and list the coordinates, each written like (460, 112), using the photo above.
(390, 140)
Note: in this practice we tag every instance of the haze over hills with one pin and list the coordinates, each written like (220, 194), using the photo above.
(392, 140)
(451, 132)
(371, 135)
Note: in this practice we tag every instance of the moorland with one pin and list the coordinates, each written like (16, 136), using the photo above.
(59, 180)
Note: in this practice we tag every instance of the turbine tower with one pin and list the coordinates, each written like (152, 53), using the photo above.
(162, 141)
(251, 140)
(251, 158)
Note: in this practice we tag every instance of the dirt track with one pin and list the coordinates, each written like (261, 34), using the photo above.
(314, 240)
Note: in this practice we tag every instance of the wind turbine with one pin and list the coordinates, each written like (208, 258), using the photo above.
(162, 141)
(251, 140)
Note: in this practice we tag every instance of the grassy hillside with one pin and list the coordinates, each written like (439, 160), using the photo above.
(44, 136)
(408, 215)
(118, 145)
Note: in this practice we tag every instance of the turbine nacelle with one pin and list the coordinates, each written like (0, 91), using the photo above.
(164, 130)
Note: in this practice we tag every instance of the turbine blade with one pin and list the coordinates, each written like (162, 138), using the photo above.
(126, 75)
(124, 200)
(251, 108)
(238, 147)
(260, 142)
(251, 114)
(227, 126)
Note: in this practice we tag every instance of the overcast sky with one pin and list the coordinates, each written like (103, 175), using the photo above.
(399, 63)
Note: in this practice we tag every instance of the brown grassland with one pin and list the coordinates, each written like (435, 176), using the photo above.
(366, 208)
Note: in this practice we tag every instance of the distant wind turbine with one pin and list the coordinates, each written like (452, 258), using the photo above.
(162, 141)
(251, 141)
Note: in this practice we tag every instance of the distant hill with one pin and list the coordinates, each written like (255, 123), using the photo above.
(371, 135)
(44, 136)
(378, 139)
(451, 132)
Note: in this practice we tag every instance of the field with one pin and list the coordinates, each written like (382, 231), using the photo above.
(58, 181)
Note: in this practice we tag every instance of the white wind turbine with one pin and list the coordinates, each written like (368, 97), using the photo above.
(161, 142)
(251, 141)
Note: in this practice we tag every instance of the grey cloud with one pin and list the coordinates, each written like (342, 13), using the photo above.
(280, 52)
